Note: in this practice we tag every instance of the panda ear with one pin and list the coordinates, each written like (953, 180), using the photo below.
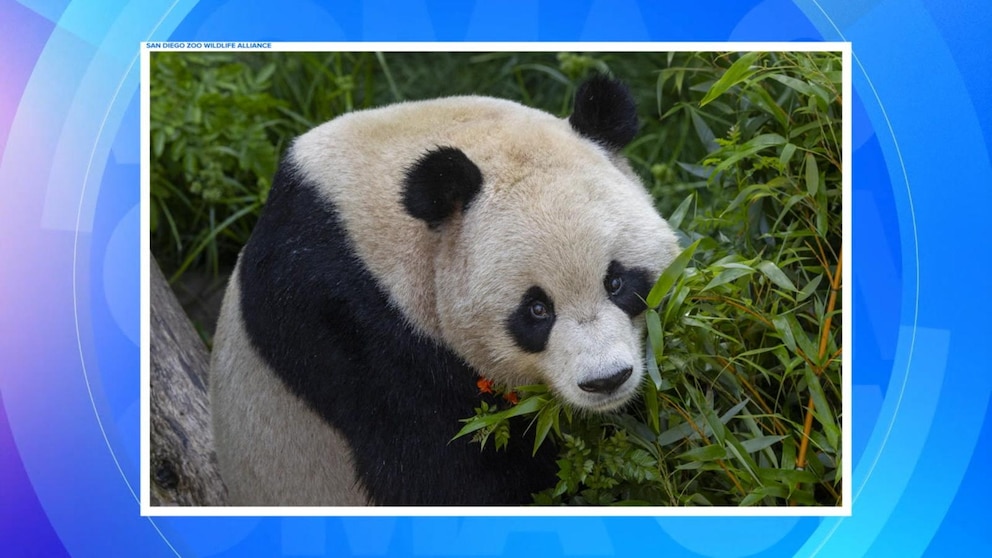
(443, 181)
(605, 112)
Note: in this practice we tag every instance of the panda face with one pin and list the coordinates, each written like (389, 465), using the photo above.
(597, 339)
(544, 280)
(522, 242)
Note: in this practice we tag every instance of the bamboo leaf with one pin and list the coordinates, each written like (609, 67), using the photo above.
(750, 148)
(787, 151)
(699, 171)
(784, 332)
(809, 289)
(675, 220)
(762, 492)
(812, 175)
(806, 345)
(759, 443)
(711, 452)
(760, 97)
(716, 427)
(785, 476)
(738, 452)
(670, 275)
(264, 74)
(674, 434)
(736, 73)
(651, 407)
(655, 333)
(674, 305)
(821, 409)
(734, 411)
(793, 83)
(727, 276)
(652, 362)
(703, 131)
(545, 420)
(775, 275)
(526, 406)
(757, 191)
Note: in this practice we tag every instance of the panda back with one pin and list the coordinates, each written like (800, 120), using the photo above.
(272, 448)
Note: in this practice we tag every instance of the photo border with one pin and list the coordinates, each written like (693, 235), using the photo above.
(496, 511)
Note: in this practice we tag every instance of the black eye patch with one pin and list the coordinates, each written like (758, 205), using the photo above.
(634, 285)
(530, 324)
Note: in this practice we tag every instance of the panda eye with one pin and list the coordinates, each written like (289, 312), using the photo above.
(613, 284)
(530, 323)
(628, 287)
(538, 310)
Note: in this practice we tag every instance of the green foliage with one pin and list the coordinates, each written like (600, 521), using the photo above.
(744, 328)
(215, 143)
(220, 121)
(742, 400)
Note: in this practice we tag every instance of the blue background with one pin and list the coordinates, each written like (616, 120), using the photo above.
(69, 230)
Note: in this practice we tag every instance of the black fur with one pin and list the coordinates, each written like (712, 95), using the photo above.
(531, 333)
(320, 320)
(440, 183)
(636, 286)
(605, 112)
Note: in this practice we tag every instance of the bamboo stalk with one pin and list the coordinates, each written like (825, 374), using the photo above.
(824, 338)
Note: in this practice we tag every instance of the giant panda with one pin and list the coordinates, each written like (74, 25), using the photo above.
(403, 253)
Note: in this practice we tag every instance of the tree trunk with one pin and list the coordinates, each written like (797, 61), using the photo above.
(183, 465)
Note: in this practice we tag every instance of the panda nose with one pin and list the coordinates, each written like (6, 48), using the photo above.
(607, 384)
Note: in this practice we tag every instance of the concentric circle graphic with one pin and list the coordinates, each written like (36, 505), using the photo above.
(69, 294)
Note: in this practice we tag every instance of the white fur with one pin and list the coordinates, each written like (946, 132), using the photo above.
(554, 210)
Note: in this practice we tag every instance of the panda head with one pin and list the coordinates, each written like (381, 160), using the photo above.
(548, 246)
